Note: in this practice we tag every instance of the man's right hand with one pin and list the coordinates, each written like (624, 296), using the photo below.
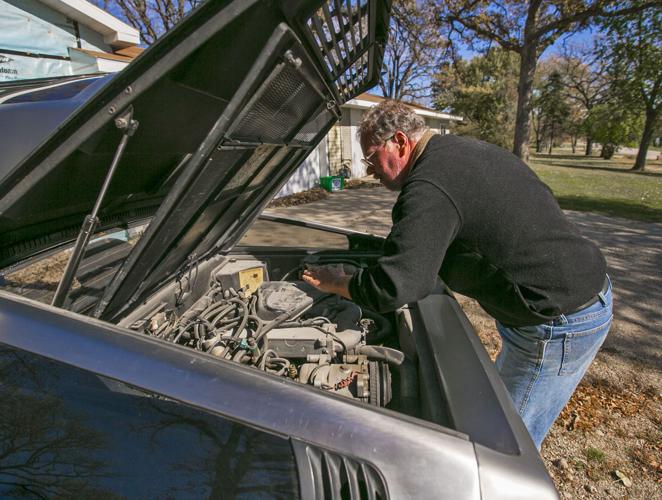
(329, 278)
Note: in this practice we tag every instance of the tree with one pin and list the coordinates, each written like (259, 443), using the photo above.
(151, 17)
(554, 108)
(575, 125)
(613, 123)
(526, 27)
(481, 90)
(584, 74)
(544, 69)
(413, 52)
(633, 47)
(537, 120)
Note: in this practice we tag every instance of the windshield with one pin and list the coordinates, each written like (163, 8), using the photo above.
(45, 89)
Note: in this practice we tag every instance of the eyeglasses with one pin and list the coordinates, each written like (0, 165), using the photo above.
(366, 160)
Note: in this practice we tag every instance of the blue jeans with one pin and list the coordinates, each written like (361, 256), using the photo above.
(541, 365)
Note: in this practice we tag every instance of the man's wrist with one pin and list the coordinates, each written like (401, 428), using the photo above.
(342, 286)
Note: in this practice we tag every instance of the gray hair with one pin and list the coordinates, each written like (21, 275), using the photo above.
(380, 122)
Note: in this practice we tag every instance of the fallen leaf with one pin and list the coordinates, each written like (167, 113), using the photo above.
(623, 478)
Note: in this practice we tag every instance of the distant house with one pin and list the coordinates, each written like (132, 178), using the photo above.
(340, 152)
(46, 38)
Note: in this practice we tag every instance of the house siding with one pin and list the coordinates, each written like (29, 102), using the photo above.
(35, 41)
(342, 148)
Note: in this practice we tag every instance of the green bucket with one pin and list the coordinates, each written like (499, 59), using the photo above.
(332, 183)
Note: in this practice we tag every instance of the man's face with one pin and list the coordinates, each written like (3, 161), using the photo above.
(388, 160)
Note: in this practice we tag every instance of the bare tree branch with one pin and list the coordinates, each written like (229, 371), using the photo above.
(414, 50)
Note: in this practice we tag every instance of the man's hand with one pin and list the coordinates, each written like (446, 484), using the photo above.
(329, 279)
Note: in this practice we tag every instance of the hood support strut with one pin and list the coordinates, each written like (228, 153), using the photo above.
(128, 126)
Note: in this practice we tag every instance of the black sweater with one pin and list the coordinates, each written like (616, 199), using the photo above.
(478, 217)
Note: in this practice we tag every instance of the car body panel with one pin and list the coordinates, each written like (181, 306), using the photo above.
(492, 456)
(443, 462)
(75, 434)
(24, 108)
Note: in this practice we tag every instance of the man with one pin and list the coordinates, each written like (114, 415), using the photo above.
(478, 217)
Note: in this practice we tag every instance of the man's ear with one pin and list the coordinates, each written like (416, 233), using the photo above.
(402, 142)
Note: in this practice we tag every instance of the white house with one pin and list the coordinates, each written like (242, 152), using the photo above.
(45, 38)
(340, 152)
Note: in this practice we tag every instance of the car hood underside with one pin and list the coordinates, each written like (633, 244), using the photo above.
(226, 106)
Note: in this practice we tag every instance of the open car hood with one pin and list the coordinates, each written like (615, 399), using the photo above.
(228, 104)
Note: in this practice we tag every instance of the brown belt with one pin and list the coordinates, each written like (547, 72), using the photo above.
(592, 300)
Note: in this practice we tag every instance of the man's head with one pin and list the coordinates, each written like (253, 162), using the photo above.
(388, 134)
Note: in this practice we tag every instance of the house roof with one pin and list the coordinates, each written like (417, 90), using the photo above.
(366, 100)
(115, 32)
(131, 52)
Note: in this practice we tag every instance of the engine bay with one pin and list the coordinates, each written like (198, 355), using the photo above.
(288, 329)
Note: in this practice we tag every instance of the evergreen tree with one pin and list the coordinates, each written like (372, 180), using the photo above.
(554, 107)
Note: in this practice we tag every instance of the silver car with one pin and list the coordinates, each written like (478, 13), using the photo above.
(155, 338)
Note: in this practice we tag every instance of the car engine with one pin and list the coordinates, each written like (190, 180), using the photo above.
(286, 328)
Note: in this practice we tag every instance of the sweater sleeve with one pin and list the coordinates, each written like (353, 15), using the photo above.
(425, 221)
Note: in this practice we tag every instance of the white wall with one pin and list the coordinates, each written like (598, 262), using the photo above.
(358, 170)
(82, 63)
(309, 172)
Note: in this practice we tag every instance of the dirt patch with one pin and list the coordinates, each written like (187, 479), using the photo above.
(292, 200)
(318, 193)
(42, 277)
(362, 183)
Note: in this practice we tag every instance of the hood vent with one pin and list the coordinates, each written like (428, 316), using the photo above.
(325, 475)
(277, 111)
(340, 30)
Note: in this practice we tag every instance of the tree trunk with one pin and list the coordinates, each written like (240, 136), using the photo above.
(527, 69)
(649, 128)
(607, 151)
(573, 141)
(589, 146)
(538, 145)
(551, 143)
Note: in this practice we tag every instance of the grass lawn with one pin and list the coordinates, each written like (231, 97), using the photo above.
(591, 184)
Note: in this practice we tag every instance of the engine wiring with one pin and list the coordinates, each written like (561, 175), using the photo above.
(318, 339)
(230, 328)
